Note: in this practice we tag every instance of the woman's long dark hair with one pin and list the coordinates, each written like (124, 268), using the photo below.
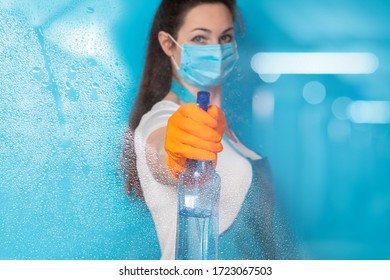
(156, 77)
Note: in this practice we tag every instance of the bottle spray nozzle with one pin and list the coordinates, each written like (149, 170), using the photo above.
(203, 99)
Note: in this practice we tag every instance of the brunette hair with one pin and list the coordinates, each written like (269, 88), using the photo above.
(157, 77)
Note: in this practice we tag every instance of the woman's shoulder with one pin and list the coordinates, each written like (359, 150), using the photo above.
(231, 138)
(163, 108)
(164, 105)
(157, 117)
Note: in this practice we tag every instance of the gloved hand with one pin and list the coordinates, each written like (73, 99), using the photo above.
(193, 133)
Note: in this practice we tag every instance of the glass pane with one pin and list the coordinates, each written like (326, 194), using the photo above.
(69, 73)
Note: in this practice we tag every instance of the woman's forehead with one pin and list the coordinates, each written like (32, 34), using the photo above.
(209, 16)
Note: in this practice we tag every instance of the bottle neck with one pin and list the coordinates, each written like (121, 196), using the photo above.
(200, 164)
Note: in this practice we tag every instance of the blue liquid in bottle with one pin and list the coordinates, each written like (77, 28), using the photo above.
(198, 201)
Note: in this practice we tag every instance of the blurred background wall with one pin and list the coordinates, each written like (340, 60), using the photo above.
(69, 72)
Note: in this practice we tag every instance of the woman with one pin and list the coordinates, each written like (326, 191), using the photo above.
(191, 47)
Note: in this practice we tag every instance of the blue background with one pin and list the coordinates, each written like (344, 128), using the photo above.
(69, 71)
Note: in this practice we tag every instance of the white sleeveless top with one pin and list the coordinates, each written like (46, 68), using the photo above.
(234, 169)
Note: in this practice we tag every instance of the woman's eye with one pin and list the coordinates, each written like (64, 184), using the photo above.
(227, 38)
(199, 39)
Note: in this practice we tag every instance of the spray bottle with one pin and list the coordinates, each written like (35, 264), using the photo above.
(198, 202)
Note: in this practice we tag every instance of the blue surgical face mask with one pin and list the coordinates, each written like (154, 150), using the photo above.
(205, 66)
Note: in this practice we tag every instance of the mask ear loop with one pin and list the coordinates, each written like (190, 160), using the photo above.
(177, 44)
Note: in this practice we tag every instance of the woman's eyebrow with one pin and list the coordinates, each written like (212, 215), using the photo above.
(227, 30)
(201, 29)
(209, 31)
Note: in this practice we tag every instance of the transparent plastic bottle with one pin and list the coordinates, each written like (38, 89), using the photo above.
(198, 200)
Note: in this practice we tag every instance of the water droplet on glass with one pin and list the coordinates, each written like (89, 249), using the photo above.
(45, 84)
(36, 70)
(94, 95)
(38, 73)
(65, 142)
(68, 86)
(86, 169)
(73, 95)
(90, 10)
(92, 62)
(71, 73)
(120, 88)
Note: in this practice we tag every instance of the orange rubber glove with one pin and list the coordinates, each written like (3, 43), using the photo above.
(193, 133)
